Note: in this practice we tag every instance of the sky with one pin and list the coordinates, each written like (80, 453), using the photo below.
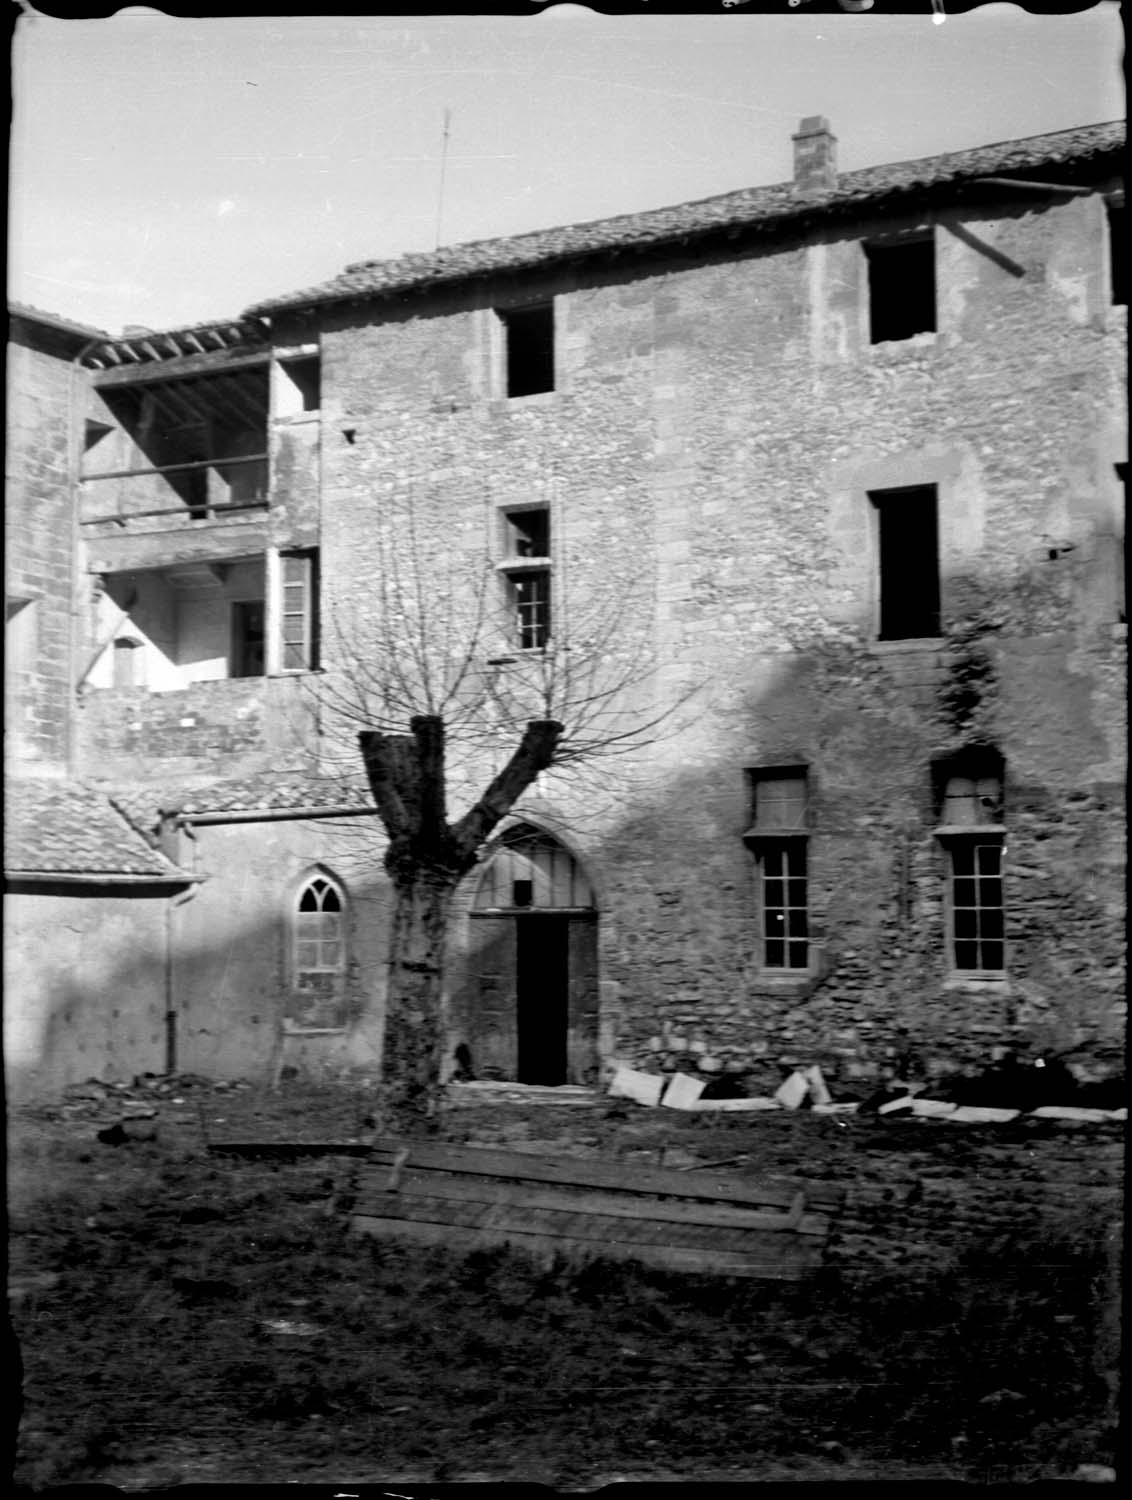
(168, 171)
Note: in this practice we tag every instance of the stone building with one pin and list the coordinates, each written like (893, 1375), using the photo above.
(839, 463)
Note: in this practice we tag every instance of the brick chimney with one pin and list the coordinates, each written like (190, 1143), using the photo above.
(815, 155)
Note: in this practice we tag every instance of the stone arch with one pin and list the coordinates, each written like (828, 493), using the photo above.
(529, 869)
(523, 1001)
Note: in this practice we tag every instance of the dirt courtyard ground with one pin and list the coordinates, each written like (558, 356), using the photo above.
(188, 1318)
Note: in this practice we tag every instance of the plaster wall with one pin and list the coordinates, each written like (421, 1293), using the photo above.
(234, 975)
(84, 985)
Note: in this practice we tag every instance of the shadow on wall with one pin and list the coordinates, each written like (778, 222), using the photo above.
(680, 944)
(94, 988)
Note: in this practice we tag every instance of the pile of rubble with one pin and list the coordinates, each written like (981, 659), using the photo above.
(129, 1111)
(1002, 1092)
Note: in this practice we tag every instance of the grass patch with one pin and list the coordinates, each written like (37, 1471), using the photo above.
(179, 1274)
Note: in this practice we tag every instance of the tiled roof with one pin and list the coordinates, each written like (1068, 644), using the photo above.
(53, 320)
(146, 345)
(274, 791)
(67, 828)
(780, 203)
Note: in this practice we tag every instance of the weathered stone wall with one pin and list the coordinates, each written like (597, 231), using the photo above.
(708, 455)
(39, 549)
(228, 728)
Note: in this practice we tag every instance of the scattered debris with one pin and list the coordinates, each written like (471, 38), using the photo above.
(25, 1284)
(819, 1093)
(972, 1114)
(791, 1093)
(879, 1102)
(628, 1083)
(683, 1091)
(894, 1106)
(140, 1127)
(1071, 1112)
(291, 1329)
(929, 1109)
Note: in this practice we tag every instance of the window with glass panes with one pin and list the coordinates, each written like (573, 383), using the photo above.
(298, 623)
(977, 912)
(526, 569)
(779, 840)
(785, 919)
(318, 928)
(530, 599)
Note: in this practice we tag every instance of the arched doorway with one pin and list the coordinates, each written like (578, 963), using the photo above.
(527, 1009)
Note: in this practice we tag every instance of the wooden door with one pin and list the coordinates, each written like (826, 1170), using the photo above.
(486, 1002)
(582, 1016)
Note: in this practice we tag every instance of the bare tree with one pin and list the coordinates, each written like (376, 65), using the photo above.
(434, 677)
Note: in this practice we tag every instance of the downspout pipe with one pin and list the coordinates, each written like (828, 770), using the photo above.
(172, 907)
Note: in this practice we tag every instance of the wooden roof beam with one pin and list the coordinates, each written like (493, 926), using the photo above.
(235, 392)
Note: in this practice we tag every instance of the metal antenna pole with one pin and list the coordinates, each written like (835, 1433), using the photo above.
(443, 170)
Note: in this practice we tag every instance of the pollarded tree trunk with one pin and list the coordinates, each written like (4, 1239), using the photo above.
(414, 996)
(426, 859)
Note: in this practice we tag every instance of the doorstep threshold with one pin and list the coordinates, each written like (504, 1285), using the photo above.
(504, 1091)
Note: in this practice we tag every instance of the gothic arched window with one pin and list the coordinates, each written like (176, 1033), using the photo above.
(319, 953)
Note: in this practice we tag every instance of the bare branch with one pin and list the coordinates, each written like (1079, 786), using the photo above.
(534, 754)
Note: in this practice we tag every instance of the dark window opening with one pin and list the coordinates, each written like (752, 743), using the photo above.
(908, 563)
(530, 601)
(529, 335)
(522, 892)
(247, 658)
(298, 650)
(901, 289)
(977, 912)
(193, 487)
(199, 442)
(93, 433)
(529, 532)
(1117, 255)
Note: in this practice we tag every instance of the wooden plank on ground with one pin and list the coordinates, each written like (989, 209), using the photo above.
(666, 1211)
(430, 1192)
(559, 1219)
(664, 1257)
(287, 1150)
(437, 1156)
